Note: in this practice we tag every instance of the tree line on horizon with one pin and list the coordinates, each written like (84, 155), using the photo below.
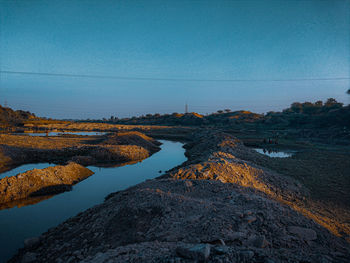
(308, 108)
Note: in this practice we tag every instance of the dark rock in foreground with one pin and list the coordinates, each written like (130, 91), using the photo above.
(183, 221)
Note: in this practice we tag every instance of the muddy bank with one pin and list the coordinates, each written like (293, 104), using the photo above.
(111, 149)
(40, 182)
(217, 206)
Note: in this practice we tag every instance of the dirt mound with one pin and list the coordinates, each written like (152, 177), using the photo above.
(132, 138)
(45, 181)
(220, 156)
(170, 220)
(109, 149)
(217, 156)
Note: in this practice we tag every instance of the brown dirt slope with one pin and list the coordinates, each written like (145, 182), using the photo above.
(41, 181)
(109, 149)
(222, 157)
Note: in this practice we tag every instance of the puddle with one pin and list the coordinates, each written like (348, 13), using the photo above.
(274, 153)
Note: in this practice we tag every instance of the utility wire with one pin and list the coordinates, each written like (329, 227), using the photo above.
(164, 79)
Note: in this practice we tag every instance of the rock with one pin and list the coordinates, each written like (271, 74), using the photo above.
(259, 242)
(29, 242)
(29, 257)
(250, 219)
(246, 254)
(220, 250)
(232, 236)
(199, 252)
(222, 242)
(302, 232)
(188, 183)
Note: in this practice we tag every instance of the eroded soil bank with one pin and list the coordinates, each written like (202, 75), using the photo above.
(219, 206)
(41, 182)
(110, 149)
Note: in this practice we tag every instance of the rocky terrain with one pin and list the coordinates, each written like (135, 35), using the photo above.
(38, 182)
(219, 206)
(111, 149)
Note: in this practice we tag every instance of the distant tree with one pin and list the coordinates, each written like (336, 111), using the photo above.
(332, 103)
(220, 111)
(227, 110)
(348, 92)
(296, 107)
(319, 103)
(148, 115)
(157, 115)
(309, 108)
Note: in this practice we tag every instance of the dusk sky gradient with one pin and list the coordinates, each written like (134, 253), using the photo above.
(183, 39)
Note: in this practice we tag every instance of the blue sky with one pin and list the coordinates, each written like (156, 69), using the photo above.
(171, 39)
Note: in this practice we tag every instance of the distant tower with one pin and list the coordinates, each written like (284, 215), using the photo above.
(186, 108)
(5, 103)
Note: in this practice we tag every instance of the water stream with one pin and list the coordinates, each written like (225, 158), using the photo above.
(19, 223)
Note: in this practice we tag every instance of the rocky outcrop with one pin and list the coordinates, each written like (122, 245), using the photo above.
(169, 220)
(37, 182)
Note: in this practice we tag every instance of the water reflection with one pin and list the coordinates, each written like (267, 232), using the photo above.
(25, 167)
(31, 217)
(274, 153)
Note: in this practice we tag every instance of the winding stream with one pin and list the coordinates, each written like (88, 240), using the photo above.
(19, 223)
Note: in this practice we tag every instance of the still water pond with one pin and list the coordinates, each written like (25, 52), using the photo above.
(17, 224)
(273, 153)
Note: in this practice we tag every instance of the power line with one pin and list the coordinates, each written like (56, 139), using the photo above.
(164, 79)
